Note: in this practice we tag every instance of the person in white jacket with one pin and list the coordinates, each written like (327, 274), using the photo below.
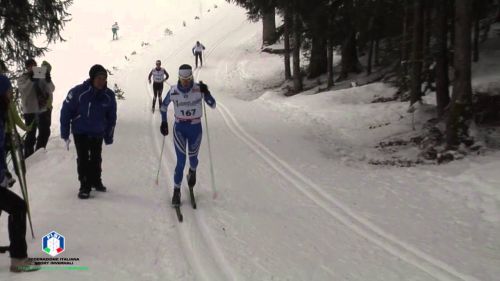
(35, 94)
(197, 52)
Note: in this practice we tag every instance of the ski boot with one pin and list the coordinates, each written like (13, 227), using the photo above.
(100, 187)
(176, 198)
(191, 178)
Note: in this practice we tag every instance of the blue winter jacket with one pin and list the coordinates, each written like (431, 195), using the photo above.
(89, 111)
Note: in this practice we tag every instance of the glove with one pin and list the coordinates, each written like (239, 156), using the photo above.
(164, 128)
(67, 141)
(203, 87)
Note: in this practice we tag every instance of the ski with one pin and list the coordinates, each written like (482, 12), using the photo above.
(4, 249)
(191, 195)
(178, 212)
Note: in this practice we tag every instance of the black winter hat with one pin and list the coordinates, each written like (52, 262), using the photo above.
(185, 71)
(96, 70)
(30, 62)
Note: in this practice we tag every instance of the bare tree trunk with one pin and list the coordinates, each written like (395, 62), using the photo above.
(460, 112)
(317, 65)
(417, 48)
(329, 54)
(451, 7)
(370, 56)
(297, 76)
(349, 60)
(476, 38)
(268, 27)
(441, 57)
(288, 72)
(404, 60)
(377, 53)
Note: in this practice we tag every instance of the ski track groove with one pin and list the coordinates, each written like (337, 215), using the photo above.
(410, 254)
(358, 224)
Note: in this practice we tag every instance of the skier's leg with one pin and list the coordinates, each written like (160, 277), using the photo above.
(16, 208)
(29, 142)
(194, 143)
(180, 151)
(82, 160)
(196, 58)
(95, 170)
(43, 129)
(201, 59)
(160, 91)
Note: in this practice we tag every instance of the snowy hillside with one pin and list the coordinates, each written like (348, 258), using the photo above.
(297, 198)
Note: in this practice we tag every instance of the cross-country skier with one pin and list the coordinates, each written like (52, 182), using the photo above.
(160, 75)
(187, 98)
(114, 29)
(197, 52)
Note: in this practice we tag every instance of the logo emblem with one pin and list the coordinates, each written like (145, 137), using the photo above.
(53, 243)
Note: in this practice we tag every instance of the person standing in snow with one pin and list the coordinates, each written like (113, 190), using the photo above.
(114, 29)
(35, 94)
(9, 201)
(90, 112)
(160, 75)
(198, 53)
(12, 120)
(187, 98)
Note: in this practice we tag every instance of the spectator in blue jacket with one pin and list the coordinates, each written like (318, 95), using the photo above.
(10, 202)
(90, 111)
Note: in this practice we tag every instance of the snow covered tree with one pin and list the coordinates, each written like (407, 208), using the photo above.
(23, 20)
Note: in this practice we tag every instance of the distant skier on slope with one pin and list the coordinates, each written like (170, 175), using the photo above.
(198, 52)
(187, 99)
(114, 29)
(160, 75)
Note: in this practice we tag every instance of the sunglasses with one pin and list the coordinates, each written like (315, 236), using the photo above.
(189, 78)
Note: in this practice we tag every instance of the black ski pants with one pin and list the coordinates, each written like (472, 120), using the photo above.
(88, 150)
(16, 208)
(196, 55)
(157, 90)
(41, 123)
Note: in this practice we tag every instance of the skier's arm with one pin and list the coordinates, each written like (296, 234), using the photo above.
(110, 119)
(166, 75)
(68, 110)
(203, 47)
(149, 76)
(192, 50)
(209, 99)
(164, 106)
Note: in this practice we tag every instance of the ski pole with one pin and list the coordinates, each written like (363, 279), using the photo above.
(214, 189)
(159, 164)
